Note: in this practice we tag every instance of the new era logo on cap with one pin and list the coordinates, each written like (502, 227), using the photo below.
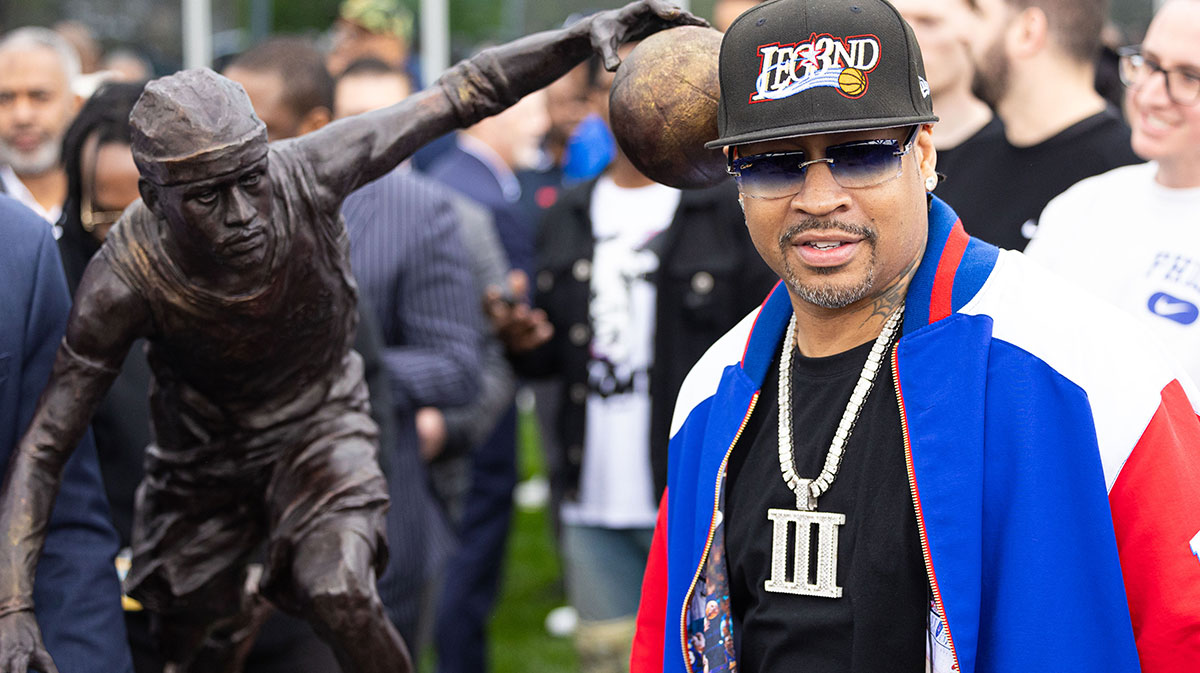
(796, 67)
(821, 60)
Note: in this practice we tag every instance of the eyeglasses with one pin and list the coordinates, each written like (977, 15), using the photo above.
(1136, 69)
(863, 163)
(90, 219)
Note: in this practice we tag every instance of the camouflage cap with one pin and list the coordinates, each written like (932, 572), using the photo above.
(194, 121)
(387, 17)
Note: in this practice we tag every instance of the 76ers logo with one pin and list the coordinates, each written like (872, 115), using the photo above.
(821, 60)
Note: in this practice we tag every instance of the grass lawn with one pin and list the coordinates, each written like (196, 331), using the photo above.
(519, 641)
(532, 581)
(531, 586)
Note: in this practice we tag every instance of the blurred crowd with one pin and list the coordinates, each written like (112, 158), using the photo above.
(529, 252)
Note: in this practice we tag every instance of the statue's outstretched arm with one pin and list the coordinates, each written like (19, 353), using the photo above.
(352, 152)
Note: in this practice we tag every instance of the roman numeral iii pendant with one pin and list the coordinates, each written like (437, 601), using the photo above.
(827, 524)
(819, 580)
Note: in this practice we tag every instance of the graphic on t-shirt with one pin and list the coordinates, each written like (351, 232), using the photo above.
(939, 655)
(1165, 306)
(622, 309)
(1171, 267)
(1172, 288)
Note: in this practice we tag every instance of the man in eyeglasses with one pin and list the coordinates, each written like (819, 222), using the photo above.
(921, 452)
(1132, 234)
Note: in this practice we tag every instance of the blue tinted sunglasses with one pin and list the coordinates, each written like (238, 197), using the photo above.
(862, 163)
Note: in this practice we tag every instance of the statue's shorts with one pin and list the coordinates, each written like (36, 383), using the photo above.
(205, 508)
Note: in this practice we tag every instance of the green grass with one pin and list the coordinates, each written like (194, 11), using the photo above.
(519, 641)
(532, 581)
(531, 586)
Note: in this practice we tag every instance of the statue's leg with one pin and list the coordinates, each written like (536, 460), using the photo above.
(179, 638)
(327, 505)
(185, 633)
(195, 584)
(335, 590)
(191, 546)
(230, 640)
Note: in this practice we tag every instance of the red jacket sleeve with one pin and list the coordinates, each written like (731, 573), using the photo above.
(1156, 515)
(652, 611)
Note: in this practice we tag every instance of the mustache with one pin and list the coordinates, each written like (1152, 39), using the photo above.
(813, 224)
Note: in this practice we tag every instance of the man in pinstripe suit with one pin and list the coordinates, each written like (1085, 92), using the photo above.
(234, 268)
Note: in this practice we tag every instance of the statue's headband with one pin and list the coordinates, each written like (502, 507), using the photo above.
(207, 163)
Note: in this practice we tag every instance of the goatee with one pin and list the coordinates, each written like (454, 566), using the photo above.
(828, 295)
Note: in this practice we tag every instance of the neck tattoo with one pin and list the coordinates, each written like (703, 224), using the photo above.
(808, 490)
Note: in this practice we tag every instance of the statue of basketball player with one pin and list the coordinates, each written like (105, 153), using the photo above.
(234, 267)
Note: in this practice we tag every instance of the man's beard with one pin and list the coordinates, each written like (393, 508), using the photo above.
(992, 74)
(828, 295)
(37, 162)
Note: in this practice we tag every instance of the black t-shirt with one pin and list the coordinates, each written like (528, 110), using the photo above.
(879, 623)
(999, 190)
(959, 159)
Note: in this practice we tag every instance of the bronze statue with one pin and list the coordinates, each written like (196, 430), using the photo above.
(234, 267)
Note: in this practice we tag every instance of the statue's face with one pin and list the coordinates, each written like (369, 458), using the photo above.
(226, 217)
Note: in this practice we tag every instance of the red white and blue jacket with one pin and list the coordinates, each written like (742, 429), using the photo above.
(1053, 459)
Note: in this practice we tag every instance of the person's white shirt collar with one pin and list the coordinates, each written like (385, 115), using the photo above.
(17, 189)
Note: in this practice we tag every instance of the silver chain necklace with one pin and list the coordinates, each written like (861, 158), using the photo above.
(808, 490)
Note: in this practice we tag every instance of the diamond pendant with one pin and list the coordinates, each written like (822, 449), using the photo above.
(827, 524)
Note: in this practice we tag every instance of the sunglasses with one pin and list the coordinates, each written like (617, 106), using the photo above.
(1136, 69)
(89, 217)
(862, 163)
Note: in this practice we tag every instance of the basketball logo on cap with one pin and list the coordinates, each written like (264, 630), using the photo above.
(820, 61)
(852, 82)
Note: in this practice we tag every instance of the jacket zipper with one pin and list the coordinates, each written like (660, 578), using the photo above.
(687, 597)
(912, 490)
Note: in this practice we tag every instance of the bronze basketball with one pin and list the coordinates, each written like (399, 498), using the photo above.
(663, 107)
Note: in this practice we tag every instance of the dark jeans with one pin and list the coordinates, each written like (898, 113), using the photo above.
(472, 577)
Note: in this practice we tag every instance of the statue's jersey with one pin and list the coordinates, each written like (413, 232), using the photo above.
(263, 357)
(260, 393)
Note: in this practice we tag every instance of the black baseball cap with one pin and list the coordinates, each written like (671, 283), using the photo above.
(798, 67)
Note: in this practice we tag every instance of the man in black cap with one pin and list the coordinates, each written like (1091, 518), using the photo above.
(921, 452)
(234, 268)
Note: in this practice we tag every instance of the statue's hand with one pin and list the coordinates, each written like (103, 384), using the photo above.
(21, 647)
(635, 21)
